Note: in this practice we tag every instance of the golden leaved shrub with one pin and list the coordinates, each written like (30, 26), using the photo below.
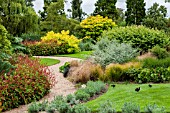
(116, 72)
(62, 38)
(93, 26)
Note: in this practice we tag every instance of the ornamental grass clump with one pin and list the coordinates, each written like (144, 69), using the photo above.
(29, 82)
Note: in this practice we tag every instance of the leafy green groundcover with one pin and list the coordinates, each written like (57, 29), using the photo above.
(121, 93)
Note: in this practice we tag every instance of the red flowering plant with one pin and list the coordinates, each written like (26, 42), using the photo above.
(29, 82)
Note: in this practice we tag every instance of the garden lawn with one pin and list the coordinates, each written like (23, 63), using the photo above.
(158, 93)
(81, 55)
(49, 61)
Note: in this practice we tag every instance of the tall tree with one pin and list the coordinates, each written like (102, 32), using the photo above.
(47, 3)
(77, 12)
(17, 18)
(56, 19)
(135, 12)
(156, 17)
(106, 8)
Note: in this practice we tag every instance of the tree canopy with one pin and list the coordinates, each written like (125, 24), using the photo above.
(135, 12)
(17, 17)
(106, 8)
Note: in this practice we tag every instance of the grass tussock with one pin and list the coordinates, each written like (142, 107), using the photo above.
(84, 71)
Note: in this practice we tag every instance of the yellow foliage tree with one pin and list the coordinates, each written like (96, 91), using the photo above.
(93, 26)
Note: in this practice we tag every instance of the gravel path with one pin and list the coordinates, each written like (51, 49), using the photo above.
(62, 86)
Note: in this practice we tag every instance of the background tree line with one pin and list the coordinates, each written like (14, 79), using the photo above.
(19, 17)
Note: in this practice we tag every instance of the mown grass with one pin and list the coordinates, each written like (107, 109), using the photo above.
(158, 94)
(49, 61)
(81, 55)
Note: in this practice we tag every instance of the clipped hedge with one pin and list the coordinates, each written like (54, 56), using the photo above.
(45, 49)
(138, 36)
(30, 81)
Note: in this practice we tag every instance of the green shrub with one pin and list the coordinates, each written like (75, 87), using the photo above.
(106, 107)
(81, 109)
(33, 108)
(82, 95)
(5, 65)
(71, 99)
(31, 37)
(154, 109)
(18, 47)
(106, 52)
(155, 75)
(154, 63)
(130, 108)
(43, 105)
(86, 44)
(29, 82)
(90, 90)
(97, 86)
(5, 44)
(63, 107)
(138, 36)
(50, 108)
(62, 68)
(159, 52)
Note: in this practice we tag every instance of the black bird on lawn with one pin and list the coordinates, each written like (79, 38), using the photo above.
(150, 85)
(137, 89)
(113, 85)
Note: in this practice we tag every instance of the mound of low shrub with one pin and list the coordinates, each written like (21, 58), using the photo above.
(70, 103)
(138, 36)
(154, 63)
(106, 52)
(144, 75)
(159, 52)
(30, 81)
(117, 72)
(44, 49)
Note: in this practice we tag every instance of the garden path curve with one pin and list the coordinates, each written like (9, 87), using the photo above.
(62, 86)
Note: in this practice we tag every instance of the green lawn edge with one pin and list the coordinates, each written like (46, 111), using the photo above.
(49, 61)
(80, 55)
(158, 94)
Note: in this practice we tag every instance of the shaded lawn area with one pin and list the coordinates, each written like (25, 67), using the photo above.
(49, 61)
(158, 94)
(81, 55)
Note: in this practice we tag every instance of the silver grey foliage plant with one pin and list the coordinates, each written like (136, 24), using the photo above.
(110, 51)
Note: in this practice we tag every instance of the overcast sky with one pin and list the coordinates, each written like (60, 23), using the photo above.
(88, 5)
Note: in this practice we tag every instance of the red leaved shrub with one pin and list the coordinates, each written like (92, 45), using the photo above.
(30, 81)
